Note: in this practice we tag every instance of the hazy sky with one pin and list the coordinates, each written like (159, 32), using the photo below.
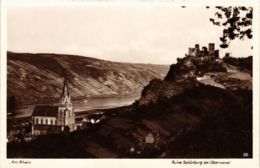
(126, 34)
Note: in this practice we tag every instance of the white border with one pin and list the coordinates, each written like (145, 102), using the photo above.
(78, 163)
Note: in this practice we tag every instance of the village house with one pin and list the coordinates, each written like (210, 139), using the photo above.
(149, 139)
(54, 118)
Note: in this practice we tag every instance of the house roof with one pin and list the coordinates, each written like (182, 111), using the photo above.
(45, 111)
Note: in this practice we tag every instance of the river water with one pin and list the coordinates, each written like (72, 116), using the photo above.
(89, 104)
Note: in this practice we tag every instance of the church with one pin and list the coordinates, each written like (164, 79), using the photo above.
(54, 118)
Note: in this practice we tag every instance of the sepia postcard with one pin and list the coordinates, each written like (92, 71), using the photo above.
(109, 83)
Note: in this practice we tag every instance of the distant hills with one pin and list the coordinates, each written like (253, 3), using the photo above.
(38, 78)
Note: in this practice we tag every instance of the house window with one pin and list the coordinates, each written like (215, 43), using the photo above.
(51, 122)
(41, 121)
(46, 122)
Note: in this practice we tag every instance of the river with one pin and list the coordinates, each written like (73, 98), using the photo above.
(85, 105)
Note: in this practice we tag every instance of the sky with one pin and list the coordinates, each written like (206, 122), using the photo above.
(138, 34)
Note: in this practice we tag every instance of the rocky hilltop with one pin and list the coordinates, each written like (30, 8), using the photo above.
(38, 78)
(200, 68)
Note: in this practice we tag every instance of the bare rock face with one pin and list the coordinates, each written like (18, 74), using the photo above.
(161, 90)
(158, 89)
(184, 69)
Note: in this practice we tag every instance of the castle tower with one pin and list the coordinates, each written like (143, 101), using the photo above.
(66, 116)
(197, 50)
(197, 47)
(211, 49)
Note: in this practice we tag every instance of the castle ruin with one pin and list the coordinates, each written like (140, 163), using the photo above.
(204, 52)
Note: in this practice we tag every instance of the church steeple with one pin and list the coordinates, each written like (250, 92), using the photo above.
(66, 116)
(65, 95)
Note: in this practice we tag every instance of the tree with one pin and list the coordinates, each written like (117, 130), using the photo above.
(237, 23)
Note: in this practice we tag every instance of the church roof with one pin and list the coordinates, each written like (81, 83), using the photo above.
(45, 111)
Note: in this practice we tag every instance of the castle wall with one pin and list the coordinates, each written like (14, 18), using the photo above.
(190, 51)
(216, 53)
